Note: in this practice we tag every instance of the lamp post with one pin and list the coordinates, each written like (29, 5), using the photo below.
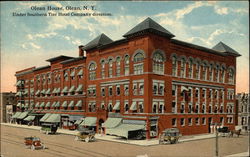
(216, 140)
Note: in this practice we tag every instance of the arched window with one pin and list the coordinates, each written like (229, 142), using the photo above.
(190, 68)
(231, 76)
(92, 72)
(222, 78)
(183, 68)
(174, 66)
(65, 75)
(138, 64)
(118, 66)
(103, 68)
(211, 72)
(158, 63)
(216, 73)
(197, 71)
(204, 72)
(110, 63)
(126, 65)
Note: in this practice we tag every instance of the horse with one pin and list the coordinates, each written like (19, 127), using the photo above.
(237, 132)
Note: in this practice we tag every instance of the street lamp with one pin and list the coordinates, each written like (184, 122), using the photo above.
(216, 139)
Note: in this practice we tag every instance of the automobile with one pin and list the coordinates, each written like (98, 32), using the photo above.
(48, 128)
(170, 135)
(33, 143)
(86, 135)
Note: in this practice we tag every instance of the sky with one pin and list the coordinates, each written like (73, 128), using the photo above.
(28, 41)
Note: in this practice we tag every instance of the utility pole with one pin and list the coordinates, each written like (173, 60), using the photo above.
(216, 142)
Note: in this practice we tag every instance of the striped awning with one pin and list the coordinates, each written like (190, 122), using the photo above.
(37, 92)
(80, 72)
(64, 104)
(79, 88)
(54, 118)
(89, 121)
(42, 104)
(37, 104)
(16, 114)
(47, 104)
(72, 88)
(18, 83)
(58, 91)
(112, 122)
(29, 118)
(48, 91)
(79, 103)
(22, 115)
(133, 107)
(18, 94)
(46, 116)
(54, 104)
(65, 89)
(117, 106)
(71, 104)
(57, 104)
(54, 91)
(124, 129)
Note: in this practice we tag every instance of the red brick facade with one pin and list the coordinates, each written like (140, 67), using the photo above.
(159, 93)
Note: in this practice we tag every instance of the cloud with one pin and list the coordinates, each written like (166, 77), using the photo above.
(41, 35)
(221, 10)
(181, 12)
(35, 46)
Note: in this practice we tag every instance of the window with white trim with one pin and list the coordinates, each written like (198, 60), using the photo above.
(118, 90)
(174, 66)
(174, 107)
(182, 122)
(231, 76)
(103, 69)
(158, 63)
(189, 121)
(126, 89)
(138, 63)
(110, 90)
(203, 121)
(197, 71)
(138, 68)
(126, 106)
(204, 73)
(183, 68)
(118, 66)
(197, 121)
(92, 91)
(211, 72)
(110, 63)
(103, 91)
(158, 88)
(190, 69)
(174, 122)
(92, 72)
(126, 65)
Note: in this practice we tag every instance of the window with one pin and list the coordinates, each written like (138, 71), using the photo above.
(216, 79)
(204, 93)
(103, 91)
(126, 90)
(140, 107)
(197, 71)
(174, 122)
(158, 63)
(92, 73)
(210, 109)
(158, 87)
(231, 76)
(161, 89)
(126, 65)
(203, 110)
(222, 78)
(118, 90)
(182, 109)
(138, 68)
(189, 108)
(183, 68)
(49, 78)
(182, 122)
(211, 72)
(197, 121)
(103, 69)
(110, 91)
(189, 121)
(204, 72)
(155, 88)
(203, 121)
(139, 57)
(173, 89)
(161, 107)
(173, 107)
(197, 93)
(92, 91)
(118, 66)
(174, 66)
(155, 107)
(126, 106)
(135, 88)
(141, 88)
(190, 69)
(110, 63)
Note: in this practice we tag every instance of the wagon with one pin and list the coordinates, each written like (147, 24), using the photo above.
(33, 143)
(224, 131)
(169, 136)
(86, 135)
(48, 128)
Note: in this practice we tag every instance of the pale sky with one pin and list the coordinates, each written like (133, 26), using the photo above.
(28, 41)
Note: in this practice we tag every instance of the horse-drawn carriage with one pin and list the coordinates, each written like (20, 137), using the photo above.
(171, 136)
(224, 131)
(86, 135)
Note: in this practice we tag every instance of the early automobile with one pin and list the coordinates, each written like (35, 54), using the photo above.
(33, 143)
(48, 128)
(170, 135)
(86, 135)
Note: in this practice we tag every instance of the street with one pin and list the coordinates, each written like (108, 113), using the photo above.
(60, 145)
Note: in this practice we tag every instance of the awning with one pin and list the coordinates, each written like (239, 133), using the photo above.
(16, 114)
(18, 104)
(25, 92)
(112, 122)
(46, 116)
(79, 103)
(57, 104)
(80, 72)
(29, 118)
(64, 104)
(89, 121)
(47, 104)
(42, 104)
(54, 91)
(117, 106)
(54, 118)
(58, 90)
(37, 92)
(18, 83)
(43, 91)
(18, 94)
(133, 107)
(79, 121)
(75, 117)
(32, 91)
(65, 74)
(72, 88)
(22, 115)
(71, 104)
(48, 91)
(72, 73)
(123, 129)
(79, 88)
(65, 89)
(54, 104)
(37, 104)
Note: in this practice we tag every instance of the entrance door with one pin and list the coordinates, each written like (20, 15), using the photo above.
(209, 124)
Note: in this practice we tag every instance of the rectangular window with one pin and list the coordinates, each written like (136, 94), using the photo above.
(135, 88)
(126, 90)
(138, 69)
(173, 89)
(126, 70)
(103, 74)
(141, 88)
(197, 121)
(174, 122)
(110, 90)
(161, 89)
(173, 107)
(203, 121)
(118, 71)
(182, 122)
(155, 88)
(103, 91)
(118, 90)
(189, 121)
(182, 109)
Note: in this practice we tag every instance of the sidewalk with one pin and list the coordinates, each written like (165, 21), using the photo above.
(244, 154)
(150, 142)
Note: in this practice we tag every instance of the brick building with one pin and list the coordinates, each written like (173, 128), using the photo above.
(243, 111)
(145, 81)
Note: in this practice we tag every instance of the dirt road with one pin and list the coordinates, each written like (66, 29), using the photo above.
(12, 145)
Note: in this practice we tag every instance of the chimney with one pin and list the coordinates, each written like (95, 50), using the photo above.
(80, 50)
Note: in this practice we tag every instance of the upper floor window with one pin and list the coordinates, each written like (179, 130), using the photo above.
(103, 69)
(190, 69)
(183, 67)
(138, 57)
(197, 71)
(158, 63)
(126, 65)
(65, 75)
(216, 73)
(92, 72)
(110, 63)
(49, 78)
(174, 66)
(72, 74)
(222, 78)
(231, 76)
(211, 72)
(126, 89)
(138, 67)
(118, 66)
(204, 72)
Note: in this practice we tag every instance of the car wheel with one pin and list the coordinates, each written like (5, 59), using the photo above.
(87, 139)
(32, 147)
